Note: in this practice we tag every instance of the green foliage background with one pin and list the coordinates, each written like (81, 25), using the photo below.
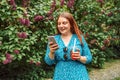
(98, 19)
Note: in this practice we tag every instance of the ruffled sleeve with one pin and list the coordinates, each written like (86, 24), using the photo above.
(86, 51)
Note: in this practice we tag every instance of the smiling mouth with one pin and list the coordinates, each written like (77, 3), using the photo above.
(62, 29)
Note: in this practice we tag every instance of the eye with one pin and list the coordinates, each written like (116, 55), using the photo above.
(59, 23)
(65, 22)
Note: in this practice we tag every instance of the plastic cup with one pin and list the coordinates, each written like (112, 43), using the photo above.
(75, 51)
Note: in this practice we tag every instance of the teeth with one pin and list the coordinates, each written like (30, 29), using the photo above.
(62, 29)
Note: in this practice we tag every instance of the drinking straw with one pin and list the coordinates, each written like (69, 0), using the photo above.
(74, 44)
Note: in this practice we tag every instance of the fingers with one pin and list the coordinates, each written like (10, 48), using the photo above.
(50, 43)
(75, 56)
(53, 46)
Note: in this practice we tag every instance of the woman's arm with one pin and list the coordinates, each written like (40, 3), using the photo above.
(49, 57)
(82, 59)
(50, 53)
(86, 56)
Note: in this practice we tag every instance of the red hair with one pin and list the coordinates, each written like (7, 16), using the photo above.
(74, 27)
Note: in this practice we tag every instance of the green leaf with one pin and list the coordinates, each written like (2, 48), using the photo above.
(19, 57)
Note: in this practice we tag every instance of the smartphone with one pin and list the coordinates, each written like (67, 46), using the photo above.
(52, 39)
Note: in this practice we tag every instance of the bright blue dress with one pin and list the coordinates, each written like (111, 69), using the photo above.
(68, 69)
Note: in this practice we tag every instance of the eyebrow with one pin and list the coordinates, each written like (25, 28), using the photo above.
(62, 21)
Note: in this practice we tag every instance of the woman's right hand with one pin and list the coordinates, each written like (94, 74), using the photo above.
(53, 47)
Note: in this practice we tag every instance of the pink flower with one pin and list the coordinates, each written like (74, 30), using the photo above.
(93, 41)
(22, 35)
(25, 3)
(70, 3)
(8, 56)
(52, 8)
(16, 51)
(103, 48)
(61, 2)
(50, 18)
(6, 61)
(14, 8)
(11, 2)
(31, 61)
(106, 42)
(25, 22)
(38, 18)
(53, 4)
(22, 21)
(49, 13)
(110, 14)
(38, 63)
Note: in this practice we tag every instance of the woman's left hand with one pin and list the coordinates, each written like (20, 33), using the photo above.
(75, 55)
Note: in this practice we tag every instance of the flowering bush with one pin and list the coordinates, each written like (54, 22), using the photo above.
(25, 25)
(99, 20)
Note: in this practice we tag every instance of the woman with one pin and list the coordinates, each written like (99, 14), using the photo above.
(68, 66)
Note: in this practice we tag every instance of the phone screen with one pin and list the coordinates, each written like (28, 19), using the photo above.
(51, 39)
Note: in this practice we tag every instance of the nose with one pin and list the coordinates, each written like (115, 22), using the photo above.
(60, 25)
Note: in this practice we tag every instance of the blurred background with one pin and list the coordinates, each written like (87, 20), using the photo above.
(25, 25)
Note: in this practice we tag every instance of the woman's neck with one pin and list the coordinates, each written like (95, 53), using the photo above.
(66, 38)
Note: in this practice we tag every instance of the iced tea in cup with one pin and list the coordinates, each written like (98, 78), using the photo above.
(74, 53)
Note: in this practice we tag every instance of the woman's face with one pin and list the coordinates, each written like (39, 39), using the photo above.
(63, 25)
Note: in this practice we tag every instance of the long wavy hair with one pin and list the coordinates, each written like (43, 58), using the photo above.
(74, 27)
